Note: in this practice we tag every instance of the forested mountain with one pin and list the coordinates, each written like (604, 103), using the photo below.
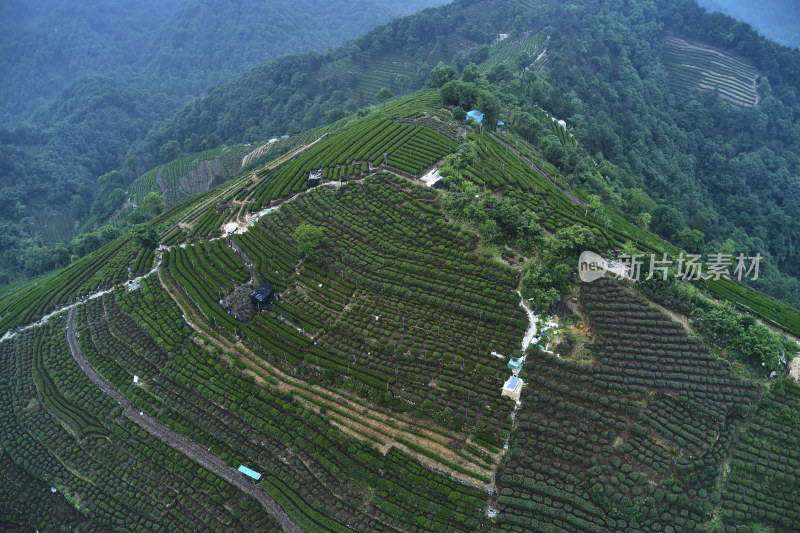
(210, 41)
(174, 47)
(720, 166)
(732, 171)
(90, 79)
(722, 170)
(48, 44)
(778, 20)
(293, 93)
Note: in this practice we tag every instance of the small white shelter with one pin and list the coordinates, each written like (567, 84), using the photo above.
(512, 388)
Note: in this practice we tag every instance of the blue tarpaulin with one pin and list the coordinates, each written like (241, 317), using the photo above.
(476, 115)
(250, 473)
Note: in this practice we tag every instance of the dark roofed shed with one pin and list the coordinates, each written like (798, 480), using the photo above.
(263, 295)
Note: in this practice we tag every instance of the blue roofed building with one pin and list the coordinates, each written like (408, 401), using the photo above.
(512, 388)
(249, 473)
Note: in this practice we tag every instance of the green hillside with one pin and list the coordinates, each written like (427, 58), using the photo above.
(428, 357)
(368, 394)
(85, 84)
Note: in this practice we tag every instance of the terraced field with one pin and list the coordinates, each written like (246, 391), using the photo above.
(414, 349)
(100, 460)
(187, 175)
(696, 66)
(634, 441)
(765, 475)
(372, 142)
(368, 395)
(510, 50)
(394, 71)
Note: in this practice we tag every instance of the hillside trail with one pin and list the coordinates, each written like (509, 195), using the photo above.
(160, 180)
(134, 283)
(180, 443)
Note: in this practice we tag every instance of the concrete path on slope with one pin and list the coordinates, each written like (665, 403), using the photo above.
(203, 457)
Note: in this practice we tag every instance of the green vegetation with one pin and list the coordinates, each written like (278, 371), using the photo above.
(100, 269)
(765, 475)
(80, 421)
(310, 466)
(368, 392)
(634, 440)
(693, 66)
(186, 175)
(407, 148)
(85, 84)
(125, 479)
(27, 503)
(514, 53)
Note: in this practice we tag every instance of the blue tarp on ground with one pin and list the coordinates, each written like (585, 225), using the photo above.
(250, 473)
(476, 115)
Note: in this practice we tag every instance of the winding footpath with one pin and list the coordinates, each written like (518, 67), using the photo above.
(531, 333)
(199, 454)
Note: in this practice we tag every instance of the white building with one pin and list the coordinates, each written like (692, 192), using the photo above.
(512, 388)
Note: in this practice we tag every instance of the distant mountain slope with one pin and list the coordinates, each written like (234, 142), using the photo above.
(210, 41)
(94, 78)
(57, 41)
(293, 93)
(179, 47)
(777, 19)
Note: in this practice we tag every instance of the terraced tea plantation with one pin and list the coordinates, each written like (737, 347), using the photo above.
(368, 143)
(74, 437)
(404, 307)
(187, 175)
(694, 66)
(367, 395)
(764, 481)
(529, 48)
(634, 441)
(98, 270)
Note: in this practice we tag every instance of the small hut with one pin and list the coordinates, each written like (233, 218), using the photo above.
(512, 388)
(263, 295)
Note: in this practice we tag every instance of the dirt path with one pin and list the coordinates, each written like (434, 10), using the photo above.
(173, 439)
(160, 180)
(794, 369)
